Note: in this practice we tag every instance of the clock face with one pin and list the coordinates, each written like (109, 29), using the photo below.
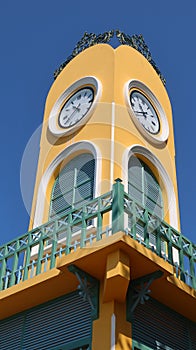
(76, 107)
(145, 112)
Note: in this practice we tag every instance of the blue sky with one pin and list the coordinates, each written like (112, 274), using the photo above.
(37, 36)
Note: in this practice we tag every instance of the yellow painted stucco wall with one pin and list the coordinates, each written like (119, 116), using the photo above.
(110, 119)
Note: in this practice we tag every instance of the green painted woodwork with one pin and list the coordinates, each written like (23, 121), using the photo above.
(144, 187)
(138, 292)
(37, 250)
(63, 323)
(118, 207)
(88, 289)
(156, 326)
(73, 186)
(83, 344)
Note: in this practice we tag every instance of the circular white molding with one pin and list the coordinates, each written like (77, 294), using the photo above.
(91, 81)
(163, 134)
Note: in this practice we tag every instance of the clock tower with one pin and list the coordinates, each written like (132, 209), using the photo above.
(104, 265)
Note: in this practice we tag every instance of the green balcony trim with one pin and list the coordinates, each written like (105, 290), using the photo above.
(118, 207)
(37, 250)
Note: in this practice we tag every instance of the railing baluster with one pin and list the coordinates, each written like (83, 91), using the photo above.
(118, 207)
(133, 220)
(40, 255)
(146, 233)
(32, 267)
(27, 257)
(3, 269)
(54, 246)
(192, 267)
(18, 278)
(14, 265)
(37, 258)
(46, 259)
(158, 241)
(169, 247)
(7, 279)
(69, 235)
(83, 231)
(181, 259)
(99, 220)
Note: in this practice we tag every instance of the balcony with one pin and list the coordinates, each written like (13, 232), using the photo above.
(37, 251)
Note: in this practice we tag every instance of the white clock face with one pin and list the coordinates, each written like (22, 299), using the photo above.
(144, 112)
(76, 107)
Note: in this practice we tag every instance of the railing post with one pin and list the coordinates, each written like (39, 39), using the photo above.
(84, 226)
(99, 221)
(54, 245)
(192, 267)
(118, 207)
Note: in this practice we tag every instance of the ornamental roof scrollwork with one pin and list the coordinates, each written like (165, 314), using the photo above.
(91, 39)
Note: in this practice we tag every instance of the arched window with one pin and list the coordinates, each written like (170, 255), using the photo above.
(144, 187)
(74, 185)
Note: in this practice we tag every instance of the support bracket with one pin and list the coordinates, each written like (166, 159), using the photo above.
(88, 289)
(138, 292)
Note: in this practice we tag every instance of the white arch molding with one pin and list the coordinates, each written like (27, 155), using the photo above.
(168, 185)
(81, 146)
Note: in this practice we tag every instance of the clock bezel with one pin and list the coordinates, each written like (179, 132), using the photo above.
(149, 104)
(67, 100)
(53, 125)
(163, 133)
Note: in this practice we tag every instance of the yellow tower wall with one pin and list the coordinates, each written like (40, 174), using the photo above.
(110, 129)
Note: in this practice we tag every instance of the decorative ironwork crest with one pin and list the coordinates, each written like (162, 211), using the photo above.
(91, 39)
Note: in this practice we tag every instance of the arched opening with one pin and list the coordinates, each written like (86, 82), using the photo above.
(145, 190)
(169, 204)
(44, 194)
(143, 186)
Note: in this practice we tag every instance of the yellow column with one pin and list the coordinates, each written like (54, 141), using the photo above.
(111, 330)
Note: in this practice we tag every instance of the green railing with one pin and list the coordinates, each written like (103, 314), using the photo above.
(36, 251)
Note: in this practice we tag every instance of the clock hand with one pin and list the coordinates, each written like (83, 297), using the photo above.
(141, 112)
(69, 117)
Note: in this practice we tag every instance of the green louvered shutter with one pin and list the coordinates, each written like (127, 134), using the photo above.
(145, 190)
(63, 323)
(155, 326)
(143, 186)
(74, 185)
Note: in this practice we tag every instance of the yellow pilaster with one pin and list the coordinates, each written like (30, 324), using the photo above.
(111, 330)
(117, 276)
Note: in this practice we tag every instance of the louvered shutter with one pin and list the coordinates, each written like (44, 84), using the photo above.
(143, 186)
(74, 185)
(159, 327)
(59, 324)
(145, 190)
(11, 330)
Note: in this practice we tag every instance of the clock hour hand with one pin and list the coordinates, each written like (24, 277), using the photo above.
(144, 114)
